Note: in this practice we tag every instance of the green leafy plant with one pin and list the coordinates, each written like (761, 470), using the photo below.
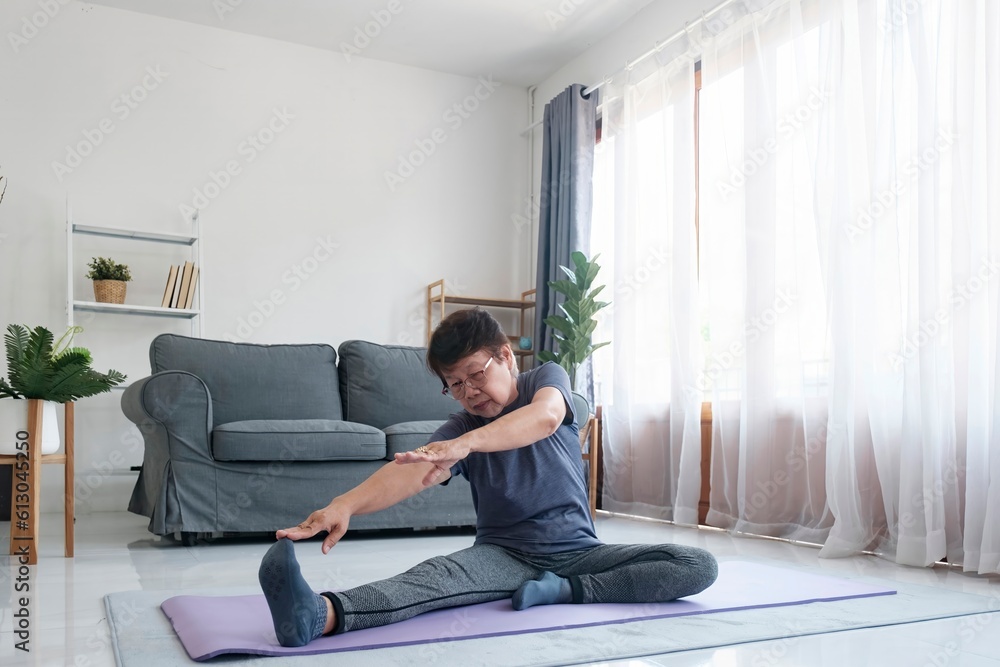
(573, 331)
(102, 268)
(52, 372)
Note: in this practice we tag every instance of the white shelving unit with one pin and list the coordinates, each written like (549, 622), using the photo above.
(192, 241)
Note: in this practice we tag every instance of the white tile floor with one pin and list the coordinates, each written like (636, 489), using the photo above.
(114, 552)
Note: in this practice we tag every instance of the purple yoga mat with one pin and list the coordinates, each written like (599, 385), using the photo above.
(211, 626)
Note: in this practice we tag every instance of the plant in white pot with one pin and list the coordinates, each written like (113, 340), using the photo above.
(52, 372)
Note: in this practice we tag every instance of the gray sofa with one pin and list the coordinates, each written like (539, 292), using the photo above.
(244, 438)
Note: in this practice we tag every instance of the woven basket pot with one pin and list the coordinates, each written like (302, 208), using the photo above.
(110, 291)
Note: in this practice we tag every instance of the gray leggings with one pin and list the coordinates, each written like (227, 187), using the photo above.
(486, 572)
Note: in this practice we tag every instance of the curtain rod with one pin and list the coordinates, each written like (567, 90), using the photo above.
(657, 47)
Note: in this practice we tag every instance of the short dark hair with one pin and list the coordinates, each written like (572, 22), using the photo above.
(462, 333)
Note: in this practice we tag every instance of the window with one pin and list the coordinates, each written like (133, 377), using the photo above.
(728, 318)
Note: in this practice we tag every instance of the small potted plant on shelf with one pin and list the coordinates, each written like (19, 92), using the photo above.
(110, 279)
(52, 372)
(573, 329)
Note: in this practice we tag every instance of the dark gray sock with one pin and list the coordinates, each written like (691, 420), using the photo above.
(298, 613)
(547, 589)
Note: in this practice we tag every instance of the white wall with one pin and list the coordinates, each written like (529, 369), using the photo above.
(322, 177)
(658, 21)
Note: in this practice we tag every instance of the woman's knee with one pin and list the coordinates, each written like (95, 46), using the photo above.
(704, 567)
(700, 569)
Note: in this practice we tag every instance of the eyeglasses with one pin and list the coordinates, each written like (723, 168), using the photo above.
(475, 381)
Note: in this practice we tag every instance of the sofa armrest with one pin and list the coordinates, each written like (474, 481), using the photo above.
(173, 411)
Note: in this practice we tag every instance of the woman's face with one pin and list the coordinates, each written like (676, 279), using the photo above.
(500, 389)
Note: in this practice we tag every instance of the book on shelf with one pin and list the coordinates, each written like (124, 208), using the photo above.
(185, 281)
(177, 289)
(189, 302)
(168, 291)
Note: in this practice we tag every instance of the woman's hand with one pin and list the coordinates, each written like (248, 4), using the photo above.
(443, 455)
(333, 518)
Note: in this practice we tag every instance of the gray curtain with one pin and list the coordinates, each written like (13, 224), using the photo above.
(565, 204)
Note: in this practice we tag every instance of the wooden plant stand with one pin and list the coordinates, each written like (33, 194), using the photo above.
(26, 486)
(590, 445)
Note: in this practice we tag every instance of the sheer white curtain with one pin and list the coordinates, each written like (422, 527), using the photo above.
(770, 158)
(842, 314)
(647, 206)
(850, 262)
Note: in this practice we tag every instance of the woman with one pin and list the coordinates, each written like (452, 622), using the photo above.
(516, 441)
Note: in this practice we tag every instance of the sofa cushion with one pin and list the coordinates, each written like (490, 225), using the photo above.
(297, 440)
(407, 436)
(388, 384)
(248, 381)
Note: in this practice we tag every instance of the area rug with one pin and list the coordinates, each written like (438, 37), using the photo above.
(750, 602)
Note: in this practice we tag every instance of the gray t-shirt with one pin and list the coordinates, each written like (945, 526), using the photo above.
(534, 498)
